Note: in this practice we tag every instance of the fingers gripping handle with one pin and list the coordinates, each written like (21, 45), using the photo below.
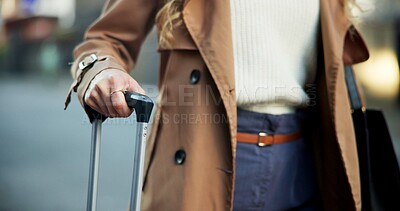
(142, 104)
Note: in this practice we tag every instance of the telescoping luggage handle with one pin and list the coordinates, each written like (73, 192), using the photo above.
(143, 106)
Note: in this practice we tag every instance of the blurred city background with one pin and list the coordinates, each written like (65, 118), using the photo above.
(44, 150)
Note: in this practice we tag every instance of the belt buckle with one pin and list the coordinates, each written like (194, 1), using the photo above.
(259, 143)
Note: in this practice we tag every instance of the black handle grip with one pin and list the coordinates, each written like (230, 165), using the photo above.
(142, 104)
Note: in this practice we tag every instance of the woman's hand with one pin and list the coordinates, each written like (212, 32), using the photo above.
(106, 93)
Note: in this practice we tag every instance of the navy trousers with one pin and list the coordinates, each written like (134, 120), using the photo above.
(273, 178)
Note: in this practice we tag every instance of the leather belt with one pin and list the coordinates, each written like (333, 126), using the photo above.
(263, 139)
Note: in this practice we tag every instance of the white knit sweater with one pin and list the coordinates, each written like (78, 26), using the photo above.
(274, 45)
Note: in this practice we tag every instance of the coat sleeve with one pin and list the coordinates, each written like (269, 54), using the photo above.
(115, 37)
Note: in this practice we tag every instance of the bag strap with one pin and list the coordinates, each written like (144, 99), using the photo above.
(352, 89)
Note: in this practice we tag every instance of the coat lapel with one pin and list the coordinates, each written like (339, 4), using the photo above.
(209, 24)
(334, 26)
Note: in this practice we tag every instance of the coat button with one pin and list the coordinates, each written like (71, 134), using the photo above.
(195, 76)
(180, 156)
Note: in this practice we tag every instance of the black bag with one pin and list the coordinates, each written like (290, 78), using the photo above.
(379, 169)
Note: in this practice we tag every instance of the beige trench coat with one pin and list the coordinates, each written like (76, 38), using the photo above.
(200, 118)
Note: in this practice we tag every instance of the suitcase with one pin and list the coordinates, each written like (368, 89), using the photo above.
(142, 106)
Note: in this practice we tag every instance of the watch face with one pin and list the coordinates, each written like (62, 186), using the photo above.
(88, 61)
